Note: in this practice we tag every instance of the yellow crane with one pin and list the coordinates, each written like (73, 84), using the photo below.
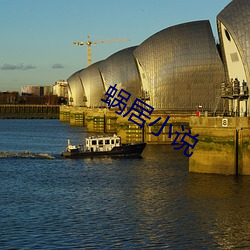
(89, 43)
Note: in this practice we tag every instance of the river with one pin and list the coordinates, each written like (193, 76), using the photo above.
(48, 202)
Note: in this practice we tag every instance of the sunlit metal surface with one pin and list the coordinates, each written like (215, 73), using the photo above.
(93, 85)
(76, 91)
(236, 18)
(234, 24)
(177, 69)
(181, 67)
(120, 68)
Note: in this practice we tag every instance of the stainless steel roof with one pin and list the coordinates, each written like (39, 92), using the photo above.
(181, 67)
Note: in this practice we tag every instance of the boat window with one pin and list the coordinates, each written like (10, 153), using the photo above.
(100, 142)
(112, 141)
(107, 142)
(93, 142)
(117, 141)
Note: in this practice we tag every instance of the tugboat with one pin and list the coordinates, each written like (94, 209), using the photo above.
(111, 146)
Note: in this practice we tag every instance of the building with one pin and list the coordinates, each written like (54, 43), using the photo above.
(38, 95)
(92, 85)
(121, 69)
(37, 90)
(76, 92)
(167, 71)
(234, 33)
(60, 89)
(178, 69)
(9, 97)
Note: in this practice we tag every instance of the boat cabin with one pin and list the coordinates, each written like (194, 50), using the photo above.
(105, 143)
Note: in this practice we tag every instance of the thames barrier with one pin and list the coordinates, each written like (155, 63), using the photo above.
(223, 146)
(190, 85)
(183, 73)
(97, 120)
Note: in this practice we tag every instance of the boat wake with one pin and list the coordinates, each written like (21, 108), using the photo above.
(26, 154)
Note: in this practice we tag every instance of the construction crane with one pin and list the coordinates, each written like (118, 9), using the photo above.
(89, 43)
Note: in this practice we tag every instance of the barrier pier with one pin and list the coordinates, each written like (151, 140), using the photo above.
(99, 120)
(223, 147)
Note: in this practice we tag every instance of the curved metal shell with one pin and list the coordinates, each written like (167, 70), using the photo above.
(93, 85)
(75, 89)
(180, 67)
(120, 68)
(234, 33)
(236, 18)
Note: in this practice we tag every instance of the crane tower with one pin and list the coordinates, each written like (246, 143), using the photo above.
(89, 43)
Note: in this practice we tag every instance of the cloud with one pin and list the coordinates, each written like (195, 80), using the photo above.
(57, 66)
(28, 67)
(7, 66)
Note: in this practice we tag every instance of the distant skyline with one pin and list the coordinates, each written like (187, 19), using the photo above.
(36, 35)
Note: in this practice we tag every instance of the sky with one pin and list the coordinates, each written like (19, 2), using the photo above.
(36, 35)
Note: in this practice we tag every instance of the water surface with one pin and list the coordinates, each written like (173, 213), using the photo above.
(148, 203)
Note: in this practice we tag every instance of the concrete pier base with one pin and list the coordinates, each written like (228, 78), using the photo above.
(223, 146)
(64, 114)
(103, 120)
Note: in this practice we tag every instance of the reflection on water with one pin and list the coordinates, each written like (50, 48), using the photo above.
(107, 203)
(224, 201)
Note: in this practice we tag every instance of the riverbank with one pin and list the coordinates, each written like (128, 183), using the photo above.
(25, 111)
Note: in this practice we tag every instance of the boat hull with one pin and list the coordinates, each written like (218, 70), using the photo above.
(126, 150)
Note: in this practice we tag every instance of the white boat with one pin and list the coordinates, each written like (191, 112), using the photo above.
(103, 146)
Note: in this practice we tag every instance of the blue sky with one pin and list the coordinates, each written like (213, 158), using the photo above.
(36, 35)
